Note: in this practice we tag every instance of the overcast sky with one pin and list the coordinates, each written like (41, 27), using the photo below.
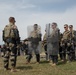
(29, 12)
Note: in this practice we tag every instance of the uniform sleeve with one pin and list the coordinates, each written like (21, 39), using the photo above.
(17, 36)
(75, 35)
(3, 36)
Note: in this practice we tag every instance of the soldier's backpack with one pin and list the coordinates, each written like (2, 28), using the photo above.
(8, 32)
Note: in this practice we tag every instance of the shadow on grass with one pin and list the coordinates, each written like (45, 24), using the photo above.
(24, 67)
(61, 63)
(44, 62)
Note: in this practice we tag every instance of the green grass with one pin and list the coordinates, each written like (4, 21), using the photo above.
(44, 68)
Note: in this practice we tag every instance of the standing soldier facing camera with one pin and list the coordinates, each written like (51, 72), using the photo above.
(53, 35)
(34, 38)
(11, 39)
(71, 44)
(64, 42)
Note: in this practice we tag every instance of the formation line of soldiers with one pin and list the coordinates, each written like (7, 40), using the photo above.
(58, 43)
(54, 43)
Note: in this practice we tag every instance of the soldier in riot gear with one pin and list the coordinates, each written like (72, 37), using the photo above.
(34, 38)
(11, 39)
(53, 35)
(64, 42)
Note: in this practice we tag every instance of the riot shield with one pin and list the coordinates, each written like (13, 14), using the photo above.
(34, 34)
(31, 31)
(34, 37)
(52, 39)
(48, 29)
(48, 32)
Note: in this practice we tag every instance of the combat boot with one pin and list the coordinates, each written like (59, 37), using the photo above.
(13, 69)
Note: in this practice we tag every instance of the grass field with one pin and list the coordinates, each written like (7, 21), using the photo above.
(44, 68)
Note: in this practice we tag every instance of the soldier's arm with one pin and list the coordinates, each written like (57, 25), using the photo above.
(3, 36)
(17, 36)
(40, 37)
(75, 35)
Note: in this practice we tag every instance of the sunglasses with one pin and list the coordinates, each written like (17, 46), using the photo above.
(70, 27)
(64, 27)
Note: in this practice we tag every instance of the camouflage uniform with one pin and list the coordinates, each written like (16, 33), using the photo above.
(45, 46)
(11, 47)
(3, 49)
(64, 42)
(60, 47)
(71, 44)
(25, 47)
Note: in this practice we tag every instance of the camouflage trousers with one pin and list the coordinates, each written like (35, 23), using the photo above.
(35, 48)
(10, 54)
(71, 54)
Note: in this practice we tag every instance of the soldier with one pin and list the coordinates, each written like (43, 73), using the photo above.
(3, 49)
(25, 46)
(22, 48)
(64, 42)
(11, 39)
(71, 44)
(60, 48)
(34, 39)
(53, 43)
(45, 45)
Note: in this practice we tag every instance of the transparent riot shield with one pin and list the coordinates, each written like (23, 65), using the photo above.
(52, 32)
(34, 37)
(48, 36)
(48, 32)
(32, 32)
